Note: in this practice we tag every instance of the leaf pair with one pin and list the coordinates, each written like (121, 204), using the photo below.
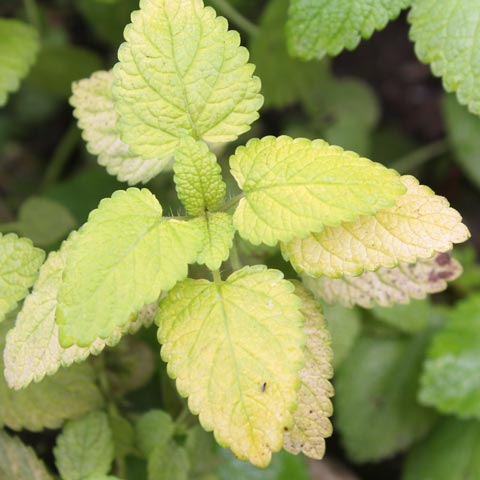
(378, 256)
(181, 73)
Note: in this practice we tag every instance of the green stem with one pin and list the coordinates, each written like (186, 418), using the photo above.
(61, 155)
(31, 9)
(217, 278)
(235, 16)
(230, 203)
(234, 259)
(419, 157)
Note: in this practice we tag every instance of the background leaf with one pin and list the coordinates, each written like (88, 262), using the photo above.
(18, 50)
(454, 57)
(85, 447)
(376, 410)
(18, 461)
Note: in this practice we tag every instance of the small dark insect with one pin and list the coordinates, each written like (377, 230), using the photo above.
(264, 387)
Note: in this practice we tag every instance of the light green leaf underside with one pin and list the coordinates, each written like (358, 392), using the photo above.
(94, 108)
(182, 73)
(217, 235)
(235, 349)
(19, 265)
(310, 419)
(344, 326)
(416, 227)
(198, 177)
(463, 131)
(285, 80)
(168, 462)
(33, 348)
(85, 447)
(122, 258)
(450, 380)
(17, 461)
(154, 428)
(387, 286)
(68, 394)
(376, 409)
(44, 221)
(18, 50)
(445, 33)
(315, 29)
(294, 187)
(450, 452)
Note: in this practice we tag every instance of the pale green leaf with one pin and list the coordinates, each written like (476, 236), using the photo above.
(445, 33)
(18, 50)
(344, 325)
(416, 227)
(294, 187)
(85, 447)
(235, 348)
(463, 131)
(285, 80)
(375, 407)
(68, 394)
(19, 265)
(122, 258)
(323, 27)
(217, 235)
(450, 452)
(168, 462)
(33, 348)
(387, 286)
(58, 65)
(19, 462)
(450, 380)
(154, 428)
(198, 177)
(310, 419)
(182, 73)
(44, 221)
(94, 108)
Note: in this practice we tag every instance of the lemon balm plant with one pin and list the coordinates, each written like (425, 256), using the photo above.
(250, 350)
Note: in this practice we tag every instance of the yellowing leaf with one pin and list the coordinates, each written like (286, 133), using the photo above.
(122, 258)
(182, 73)
(445, 33)
(69, 393)
(217, 234)
(198, 177)
(310, 419)
(94, 109)
(235, 348)
(17, 461)
(19, 265)
(33, 348)
(294, 187)
(18, 49)
(388, 286)
(416, 227)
